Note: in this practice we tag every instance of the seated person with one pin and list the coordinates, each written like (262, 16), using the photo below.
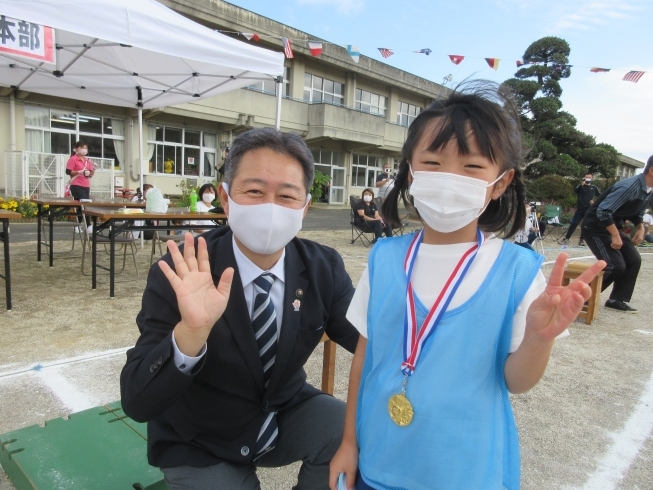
(527, 235)
(140, 197)
(368, 218)
(205, 198)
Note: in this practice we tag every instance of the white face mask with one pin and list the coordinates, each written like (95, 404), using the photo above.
(367, 198)
(82, 151)
(208, 198)
(448, 202)
(264, 228)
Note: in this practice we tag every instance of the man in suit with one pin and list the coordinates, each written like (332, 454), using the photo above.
(217, 370)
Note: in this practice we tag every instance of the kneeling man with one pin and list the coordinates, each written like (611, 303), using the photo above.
(227, 324)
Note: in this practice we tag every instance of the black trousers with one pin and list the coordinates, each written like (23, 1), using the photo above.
(623, 264)
(78, 192)
(376, 227)
(578, 217)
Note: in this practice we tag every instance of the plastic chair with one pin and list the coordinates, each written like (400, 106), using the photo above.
(358, 227)
(553, 223)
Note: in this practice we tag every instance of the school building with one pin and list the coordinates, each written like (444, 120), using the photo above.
(354, 116)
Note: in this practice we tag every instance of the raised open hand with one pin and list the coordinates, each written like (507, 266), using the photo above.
(552, 312)
(200, 302)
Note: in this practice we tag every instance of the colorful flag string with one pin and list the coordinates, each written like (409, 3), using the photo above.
(316, 49)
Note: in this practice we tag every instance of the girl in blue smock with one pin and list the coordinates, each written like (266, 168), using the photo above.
(452, 318)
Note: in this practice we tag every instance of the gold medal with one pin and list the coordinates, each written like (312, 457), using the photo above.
(400, 409)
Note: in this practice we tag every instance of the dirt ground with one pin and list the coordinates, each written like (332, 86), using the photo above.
(586, 425)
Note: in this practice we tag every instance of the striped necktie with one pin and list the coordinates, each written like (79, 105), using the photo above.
(264, 321)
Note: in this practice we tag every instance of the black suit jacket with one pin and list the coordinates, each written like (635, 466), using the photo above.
(214, 413)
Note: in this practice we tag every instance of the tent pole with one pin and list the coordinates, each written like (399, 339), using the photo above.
(140, 161)
(12, 121)
(277, 122)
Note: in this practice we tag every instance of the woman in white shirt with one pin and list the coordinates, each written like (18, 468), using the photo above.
(205, 198)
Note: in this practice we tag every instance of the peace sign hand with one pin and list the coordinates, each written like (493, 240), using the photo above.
(200, 302)
(554, 310)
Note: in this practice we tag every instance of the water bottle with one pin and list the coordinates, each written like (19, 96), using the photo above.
(193, 201)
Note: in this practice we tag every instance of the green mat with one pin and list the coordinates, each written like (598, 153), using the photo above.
(99, 448)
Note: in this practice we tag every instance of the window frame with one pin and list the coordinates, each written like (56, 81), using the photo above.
(370, 170)
(360, 104)
(324, 95)
(405, 118)
(160, 145)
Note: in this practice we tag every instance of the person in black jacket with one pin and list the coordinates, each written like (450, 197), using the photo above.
(217, 371)
(602, 224)
(586, 193)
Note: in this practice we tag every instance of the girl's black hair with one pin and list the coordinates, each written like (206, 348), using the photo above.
(490, 113)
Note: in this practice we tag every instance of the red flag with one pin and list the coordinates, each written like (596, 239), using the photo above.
(633, 76)
(287, 47)
(456, 59)
(250, 35)
(385, 52)
(519, 63)
(599, 70)
(315, 47)
(493, 63)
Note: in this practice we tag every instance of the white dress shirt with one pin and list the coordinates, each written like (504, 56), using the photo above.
(248, 271)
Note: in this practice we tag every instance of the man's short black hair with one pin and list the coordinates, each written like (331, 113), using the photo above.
(649, 164)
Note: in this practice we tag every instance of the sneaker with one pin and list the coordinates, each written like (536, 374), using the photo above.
(581, 243)
(620, 305)
(564, 242)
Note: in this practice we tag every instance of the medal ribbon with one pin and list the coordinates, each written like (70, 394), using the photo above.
(414, 341)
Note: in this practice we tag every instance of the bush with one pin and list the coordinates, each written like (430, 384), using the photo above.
(553, 189)
(20, 205)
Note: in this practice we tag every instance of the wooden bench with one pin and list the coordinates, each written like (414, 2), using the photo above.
(591, 308)
(99, 448)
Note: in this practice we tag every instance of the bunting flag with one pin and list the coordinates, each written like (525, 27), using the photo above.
(385, 52)
(287, 47)
(633, 76)
(353, 52)
(315, 47)
(456, 59)
(493, 63)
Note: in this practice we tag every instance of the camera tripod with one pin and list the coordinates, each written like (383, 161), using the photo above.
(536, 228)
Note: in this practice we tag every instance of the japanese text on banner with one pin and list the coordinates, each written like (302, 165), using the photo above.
(26, 39)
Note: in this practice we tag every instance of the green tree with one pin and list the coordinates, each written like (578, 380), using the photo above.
(557, 147)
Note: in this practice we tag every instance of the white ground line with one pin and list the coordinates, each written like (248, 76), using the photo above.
(70, 360)
(73, 398)
(646, 332)
(627, 443)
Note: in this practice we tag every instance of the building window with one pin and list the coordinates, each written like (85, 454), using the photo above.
(369, 102)
(270, 86)
(364, 170)
(318, 89)
(181, 151)
(407, 113)
(56, 131)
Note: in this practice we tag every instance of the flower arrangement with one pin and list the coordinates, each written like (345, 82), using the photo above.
(20, 205)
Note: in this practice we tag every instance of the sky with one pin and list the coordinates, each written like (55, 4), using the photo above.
(615, 34)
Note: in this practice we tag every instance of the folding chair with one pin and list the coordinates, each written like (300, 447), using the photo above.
(404, 220)
(124, 241)
(71, 225)
(360, 228)
(554, 226)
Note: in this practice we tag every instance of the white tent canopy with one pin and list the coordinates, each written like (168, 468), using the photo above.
(108, 48)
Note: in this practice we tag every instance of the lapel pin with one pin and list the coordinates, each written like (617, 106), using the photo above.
(299, 293)
(296, 304)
